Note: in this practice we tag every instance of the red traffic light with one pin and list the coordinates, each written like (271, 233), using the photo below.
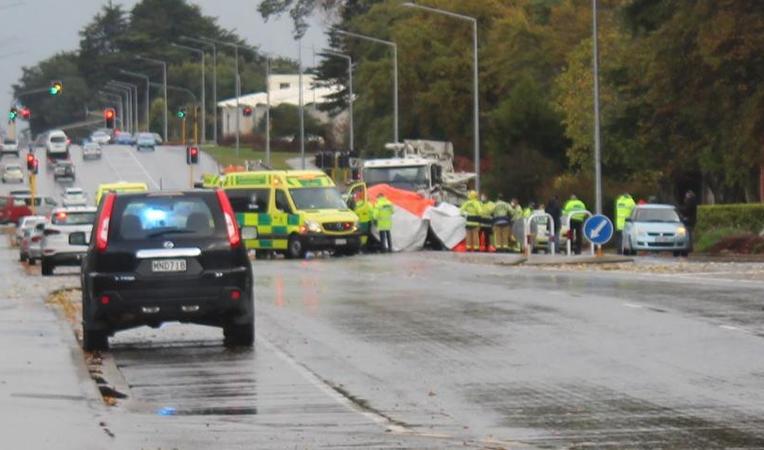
(192, 155)
(25, 113)
(108, 113)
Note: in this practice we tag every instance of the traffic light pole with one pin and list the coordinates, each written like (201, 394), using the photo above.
(32, 191)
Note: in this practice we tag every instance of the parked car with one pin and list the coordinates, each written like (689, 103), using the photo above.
(30, 247)
(91, 150)
(58, 249)
(64, 169)
(26, 223)
(9, 147)
(146, 141)
(12, 173)
(123, 138)
(74, 196)
(655, 228)
(13, 208)
(100, 137)
(158, 257)
(157, 138)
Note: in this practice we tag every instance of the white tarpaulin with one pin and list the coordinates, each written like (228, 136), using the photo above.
(447, 223)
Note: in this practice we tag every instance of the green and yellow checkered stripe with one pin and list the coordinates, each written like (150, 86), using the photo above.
(272, 230)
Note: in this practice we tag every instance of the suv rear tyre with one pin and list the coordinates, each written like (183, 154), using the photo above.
(94, 340)
(46, 267)
(239, 335)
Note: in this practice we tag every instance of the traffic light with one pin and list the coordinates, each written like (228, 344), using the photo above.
(247, 111)
(192, 155)
(26, 113)
(108, 115)
(12, 114)
(56, 88)
(181, 113)
(32, 164)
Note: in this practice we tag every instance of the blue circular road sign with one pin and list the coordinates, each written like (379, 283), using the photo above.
(598, 229)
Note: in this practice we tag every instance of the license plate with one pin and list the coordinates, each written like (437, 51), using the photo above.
(341, 242)
(168, 265)
(664, 239)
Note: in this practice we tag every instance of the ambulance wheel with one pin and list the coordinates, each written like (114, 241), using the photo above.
(295, 248)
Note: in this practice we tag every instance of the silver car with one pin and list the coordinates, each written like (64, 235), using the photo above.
(57, 248)
(91, 150)
(30, 248)
(655, 228)
(25, 223)
(12, 173)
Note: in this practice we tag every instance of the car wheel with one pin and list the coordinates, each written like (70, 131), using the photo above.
(95, 340)
(239, 335)
(32, 261)
(22, 257)
(295, 249)
(46, 268)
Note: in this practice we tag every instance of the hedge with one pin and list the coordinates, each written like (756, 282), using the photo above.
(746, 217)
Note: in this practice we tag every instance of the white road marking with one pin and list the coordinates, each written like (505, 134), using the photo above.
(143, 169)
(730, 327)
(632, 305)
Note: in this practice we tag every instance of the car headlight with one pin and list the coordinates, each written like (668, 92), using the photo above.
(355, 226)
(681, 231)
(313, 227)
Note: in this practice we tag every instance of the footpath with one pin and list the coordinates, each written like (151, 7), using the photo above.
(47, 399)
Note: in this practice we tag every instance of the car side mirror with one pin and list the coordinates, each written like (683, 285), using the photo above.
(628, 219)
(351, 203)
(198, 185)
(77, 238)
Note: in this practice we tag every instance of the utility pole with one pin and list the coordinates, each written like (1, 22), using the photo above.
(597, 143)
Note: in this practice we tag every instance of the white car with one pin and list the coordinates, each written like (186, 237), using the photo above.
(9, 147)
(655, 228)
(12, 173)
(91, 150)
(100, 137)
(74, 196)
(57, 248)
(30, 247)
(25, 223)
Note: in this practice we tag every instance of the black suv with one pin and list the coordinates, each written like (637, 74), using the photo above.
(166, 256)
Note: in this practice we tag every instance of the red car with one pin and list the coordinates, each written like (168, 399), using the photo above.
(13, 208)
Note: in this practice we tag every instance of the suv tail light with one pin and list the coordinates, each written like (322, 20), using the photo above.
(102, 226)
(234, 238)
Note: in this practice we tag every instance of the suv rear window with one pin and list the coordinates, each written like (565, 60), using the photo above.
(57, 139)
(73, 218)
(160, 217)
(249, 200)
(9, 141)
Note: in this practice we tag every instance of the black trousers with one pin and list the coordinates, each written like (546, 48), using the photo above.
(386, 240)
(578, 230)
(619, 241)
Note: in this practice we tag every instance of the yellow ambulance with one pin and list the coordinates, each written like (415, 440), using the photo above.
(122, 186)
(290, 212)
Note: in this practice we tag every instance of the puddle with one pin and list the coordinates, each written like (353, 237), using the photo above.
(210, 411)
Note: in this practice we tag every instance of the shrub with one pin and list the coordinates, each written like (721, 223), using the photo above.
(748, 217)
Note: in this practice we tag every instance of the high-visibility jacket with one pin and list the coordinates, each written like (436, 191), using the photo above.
(517, 212)
(571, 208)
(486, 213)
(383, 214)
(471, 210)
(502, 213)
(624, 205)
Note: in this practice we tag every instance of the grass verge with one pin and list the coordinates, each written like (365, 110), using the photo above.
(226, 156)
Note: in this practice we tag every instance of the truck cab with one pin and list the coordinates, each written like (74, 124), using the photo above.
(290, 212)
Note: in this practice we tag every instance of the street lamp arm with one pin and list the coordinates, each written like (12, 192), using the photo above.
(439, 11)
(367, 38)
(177, 88)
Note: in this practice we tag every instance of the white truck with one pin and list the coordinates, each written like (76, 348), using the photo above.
(425, 167)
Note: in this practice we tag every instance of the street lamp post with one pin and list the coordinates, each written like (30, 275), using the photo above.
(237, 87)
(597, 142)
(148, 93)
(204, 87)
(214, 80)
(349, 59)
(476, 87)
(134, 101)
(164, 84)
(394, 46)
(302, 106)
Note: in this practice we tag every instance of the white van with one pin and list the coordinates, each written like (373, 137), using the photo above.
(56, 146)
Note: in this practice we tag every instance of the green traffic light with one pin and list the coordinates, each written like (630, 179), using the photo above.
(11, 115)
(181, 114)
(53, 90)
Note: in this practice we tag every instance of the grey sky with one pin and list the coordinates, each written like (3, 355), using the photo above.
(37, 29)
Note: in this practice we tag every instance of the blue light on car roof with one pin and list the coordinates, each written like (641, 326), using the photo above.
(154, 215)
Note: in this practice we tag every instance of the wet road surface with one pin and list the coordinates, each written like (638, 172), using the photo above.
(423, 351)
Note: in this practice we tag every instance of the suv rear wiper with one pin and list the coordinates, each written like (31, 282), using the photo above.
(172, 231)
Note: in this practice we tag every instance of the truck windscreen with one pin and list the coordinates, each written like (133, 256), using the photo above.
(409, 178)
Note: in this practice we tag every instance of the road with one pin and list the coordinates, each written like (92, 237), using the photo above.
(426, 350)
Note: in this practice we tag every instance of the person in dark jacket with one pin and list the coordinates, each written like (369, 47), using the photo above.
(554, 209)
(689, 211)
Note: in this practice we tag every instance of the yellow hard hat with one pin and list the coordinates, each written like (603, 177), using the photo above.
(473, 195)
